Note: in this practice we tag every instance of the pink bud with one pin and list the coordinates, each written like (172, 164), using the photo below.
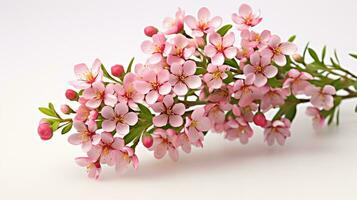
(44, 130)
(71, 95)
(150, 31)
(259, 119)
(117, 70)
(65, 109)
(147, 141)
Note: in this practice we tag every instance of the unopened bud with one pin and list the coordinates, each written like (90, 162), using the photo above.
(150, 31)
(117, 70)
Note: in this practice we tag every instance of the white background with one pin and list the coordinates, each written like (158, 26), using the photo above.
(40, 41)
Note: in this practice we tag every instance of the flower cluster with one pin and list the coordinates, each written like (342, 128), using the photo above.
(199, 76)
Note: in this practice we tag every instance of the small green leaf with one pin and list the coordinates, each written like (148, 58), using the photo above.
(222, 31)
(353, 55)
(336, 57)
(275, 83)
(232, 62)
(305, 50)
(200, 71)
(338, 117)
(135, 132)
(107, 75)
(50, 106)
(47, 111)
(67, 128)
(291, 113)
(55, 125)
(230, 77)
(292, 38)
(323, 55)
(313, 55)
(145, 112)
(130, 65)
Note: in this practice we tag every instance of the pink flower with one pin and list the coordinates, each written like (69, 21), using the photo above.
(44, 130)
(243, 54)
(246, 92)
(126, 157)
(185, 142)
(216, 114)
(220, 48)
(107, 150)
(169, 112)
(238, 128)
(165, 141)
(321, 97)
(318, 120)
(97, 94)
(86, 136)
(196, 124)
(155, 48)
(246, 17)
(246, 112)
(153, 84)
(118, 119)
(127, 93)
(204, 24)
(297, 81)
(93, 167)
(82, 113)
(255, 40)
(277, 50)
(214, 76)
(182, 77)
(277, 130)
(274, 97)
(221, 95)
(174, 25)
(179, 49)
(260, 68)
(85, 76)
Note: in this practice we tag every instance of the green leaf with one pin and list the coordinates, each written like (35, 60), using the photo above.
(336, 57)
(274, 83)
(55, 125)
(67, 128)
(107, 75)
(232, 62)
(323, 55)
(135, 132)
(145, 112)
(200, 71)
(130, 65)
(47, 111)
(292, 38)
(305, 50)
(356, 109)
(338, 117)
(291, 113)
(353, 55)
(313, 55)
(50, 106)
(222, 31)
(230, 77)
(288, 110)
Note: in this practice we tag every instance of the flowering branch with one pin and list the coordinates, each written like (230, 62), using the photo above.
(195, 80)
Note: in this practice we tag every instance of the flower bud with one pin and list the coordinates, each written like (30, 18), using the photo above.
(150, 31)
(65, 109)
(298, 58)
(71, 95)
(259, 119)
(147, 140)
(44, 130)
(117, 70)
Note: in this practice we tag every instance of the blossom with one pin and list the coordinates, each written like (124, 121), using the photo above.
(169, 112)
(321, 97)
(204, 24)
(153, 84)
(86, 136)
(260, 68)
(246, 17)
(214, 76)
(297, 81)
(246, 92)
(277, 50)
(318, 120)
(155, 48)
(93, 167)
(179, 49)
(220, 48)
(118, 119)
(107, 150)
(98, 93)
(216, 114)
(127, 93)
(274, 97)
(243, 53)
(255, 40)
(165, 141)
(126, 156)
(182, 77)
(174, 25)
(85, 76)
(277, 130)
(238, 128)
(196, 124)
(82, 113)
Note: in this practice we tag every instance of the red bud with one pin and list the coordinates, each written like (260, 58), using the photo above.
(259, 119)
(150, 31)
(147, 141)
(45, 131)
(117, 70)
(71, 95)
